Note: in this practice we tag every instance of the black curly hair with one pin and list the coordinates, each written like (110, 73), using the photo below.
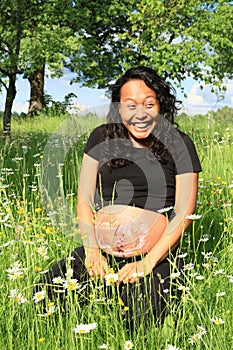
(169, 106)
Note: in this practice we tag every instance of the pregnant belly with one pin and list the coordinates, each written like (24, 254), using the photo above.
(128, 231)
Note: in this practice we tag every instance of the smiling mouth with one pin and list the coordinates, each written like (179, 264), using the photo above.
(141, 125)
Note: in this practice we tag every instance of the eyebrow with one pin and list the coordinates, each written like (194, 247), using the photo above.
(149, 96)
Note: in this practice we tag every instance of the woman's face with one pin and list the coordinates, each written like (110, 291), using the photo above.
(139, 108)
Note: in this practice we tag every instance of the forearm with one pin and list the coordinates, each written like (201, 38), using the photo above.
(186, 195)
(168, 240)
(86, 224)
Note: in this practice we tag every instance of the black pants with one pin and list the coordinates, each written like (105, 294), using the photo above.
(150, 295)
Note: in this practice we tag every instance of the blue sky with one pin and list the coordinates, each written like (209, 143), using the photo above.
(197, 101)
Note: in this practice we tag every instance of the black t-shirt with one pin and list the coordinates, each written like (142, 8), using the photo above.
(145, 182)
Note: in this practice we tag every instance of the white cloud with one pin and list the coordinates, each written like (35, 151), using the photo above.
(20, 107)
(200, 101)
(103, 97)
(100, 110)
(78, 107)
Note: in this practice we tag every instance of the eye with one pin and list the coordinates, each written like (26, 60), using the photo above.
(131, 106)
(150, 105)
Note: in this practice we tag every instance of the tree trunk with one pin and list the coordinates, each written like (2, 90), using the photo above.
(10, 96)
(36, 81)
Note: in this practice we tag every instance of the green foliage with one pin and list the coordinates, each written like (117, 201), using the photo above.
(177, 38)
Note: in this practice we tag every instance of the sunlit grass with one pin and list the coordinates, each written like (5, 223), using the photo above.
(30, 243)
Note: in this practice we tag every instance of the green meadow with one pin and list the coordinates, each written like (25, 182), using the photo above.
(33, 237)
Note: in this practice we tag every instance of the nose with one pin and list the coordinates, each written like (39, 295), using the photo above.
(141, 113)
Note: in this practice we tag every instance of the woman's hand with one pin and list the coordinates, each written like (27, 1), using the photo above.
(132, 271)
(96, 263)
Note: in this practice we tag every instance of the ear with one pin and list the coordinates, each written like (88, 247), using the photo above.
(120, 109)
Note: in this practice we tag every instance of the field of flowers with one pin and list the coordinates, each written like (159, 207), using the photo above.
(34, 235)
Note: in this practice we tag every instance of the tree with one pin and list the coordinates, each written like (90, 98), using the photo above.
(101, 30)
(33, 34)
(177, 38)
(82, 32)
(48, 43)
(11, 34)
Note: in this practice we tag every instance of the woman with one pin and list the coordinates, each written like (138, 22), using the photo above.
(138, 184)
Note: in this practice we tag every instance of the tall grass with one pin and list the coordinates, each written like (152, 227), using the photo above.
(31, 243)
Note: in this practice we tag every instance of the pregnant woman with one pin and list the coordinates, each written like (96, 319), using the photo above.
(138, 183)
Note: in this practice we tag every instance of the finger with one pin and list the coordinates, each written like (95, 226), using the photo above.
(105, 268)
(90, 272)
(124, 276)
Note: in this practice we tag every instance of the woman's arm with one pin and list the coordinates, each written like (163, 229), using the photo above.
(95, 262)
(185, 203)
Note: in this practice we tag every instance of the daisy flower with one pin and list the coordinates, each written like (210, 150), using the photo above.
(38, 296)
(205, 265)
(205, 238)
(189, 266)
(128, 345)
(51, 309)
(72, 284)
(172, 347)
(207, 255)
(111, 278)
(164, 210)
(175, 274)
(202, 330)
(194, 338)
(184, 288)
(193, 217)
(15, 271)
(69, 273)
(182, 255)
(220, 294)
(218, 272)
(230, 278)
(217, 321)
(200, 278)
(84, 328)
(43, 251)
(17, 296)
(58, 280)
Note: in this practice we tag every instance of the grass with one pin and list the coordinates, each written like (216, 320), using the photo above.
(32, 239)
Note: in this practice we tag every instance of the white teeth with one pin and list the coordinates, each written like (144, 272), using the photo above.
(141, 125)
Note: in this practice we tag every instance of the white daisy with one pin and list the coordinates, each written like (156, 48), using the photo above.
(200, 278)
(175, 274)
(219, 272)
(58, 280)
(217, 321)
(17, 296)
(189, 266)
(164, 210)
(43, 251)
(69, 273)
(172, 347)
(202, 330)
(193, 216)
(84, 328)
(111, 278)
(182, 255)
(39, 296)
(128, 345)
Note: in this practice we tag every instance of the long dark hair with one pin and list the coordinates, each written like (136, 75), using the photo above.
(169, 106)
